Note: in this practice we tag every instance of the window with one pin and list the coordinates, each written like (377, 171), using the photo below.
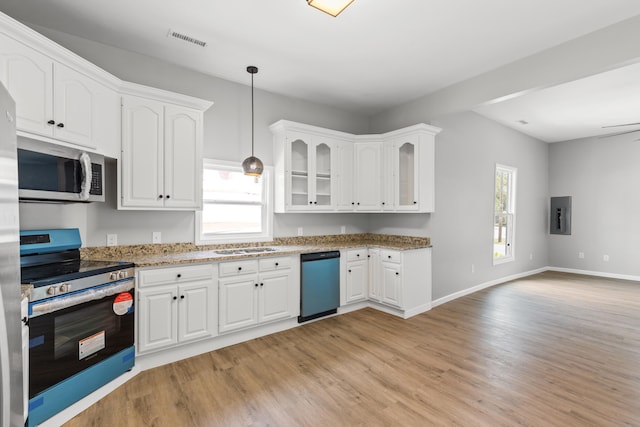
(235, 207)
(504, 216)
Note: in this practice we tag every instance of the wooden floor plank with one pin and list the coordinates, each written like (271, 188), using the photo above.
(552, 349)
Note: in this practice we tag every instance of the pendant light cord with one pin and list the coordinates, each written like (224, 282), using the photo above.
(252, 120)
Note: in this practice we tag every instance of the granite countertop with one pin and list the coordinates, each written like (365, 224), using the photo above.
(185, 253)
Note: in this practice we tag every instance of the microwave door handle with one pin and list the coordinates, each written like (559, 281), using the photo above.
(85, 187)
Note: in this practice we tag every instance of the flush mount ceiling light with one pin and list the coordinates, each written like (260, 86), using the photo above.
(252, 166)
(332, 7)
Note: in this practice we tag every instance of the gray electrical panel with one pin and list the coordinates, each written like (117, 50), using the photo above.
(560, 215)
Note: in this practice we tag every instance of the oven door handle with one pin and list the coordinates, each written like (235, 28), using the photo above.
(60, 303)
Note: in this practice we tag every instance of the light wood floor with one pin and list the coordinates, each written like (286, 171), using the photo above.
(549, 350)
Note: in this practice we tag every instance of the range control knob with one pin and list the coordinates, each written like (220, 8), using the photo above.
(65, 287)
(113, 275)
(51, 290)
(122, 274)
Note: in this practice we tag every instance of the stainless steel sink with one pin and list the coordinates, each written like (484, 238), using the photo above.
(244, 251)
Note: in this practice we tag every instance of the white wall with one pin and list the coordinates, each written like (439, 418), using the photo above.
(461, 227)
(602, 177)
(227, 136)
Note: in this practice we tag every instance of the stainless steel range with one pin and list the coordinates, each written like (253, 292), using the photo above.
(81, 320)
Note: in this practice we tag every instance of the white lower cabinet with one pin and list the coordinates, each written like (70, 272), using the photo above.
(355, 275)
(176, 305)
(401, 279)
(257, 291)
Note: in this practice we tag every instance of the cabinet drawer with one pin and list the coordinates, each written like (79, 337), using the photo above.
(274, 263)
(387, 255)
(174, 275)
(235, 268)
(357, 254)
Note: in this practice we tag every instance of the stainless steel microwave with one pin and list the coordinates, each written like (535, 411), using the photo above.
(49, 172)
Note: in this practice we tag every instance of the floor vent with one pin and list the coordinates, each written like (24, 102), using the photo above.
(186, 38)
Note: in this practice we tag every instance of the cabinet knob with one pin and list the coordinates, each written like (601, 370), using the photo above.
(349, 271)
(175, 298)
(181, 296)
(60, 125)
(353, 203)
(160, 196)
(51, 122)
(397, 274)
(168, 196)
(277, 264)
(239, 268)
(315, 203)
(415, 203)
(261, 284)
(383, 203)
(368, 256)
(389, 256)
(358, 203)
(179, 275)
(256, 285)
(310, 202)
(357, 254)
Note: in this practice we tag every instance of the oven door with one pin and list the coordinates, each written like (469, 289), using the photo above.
(72, 333)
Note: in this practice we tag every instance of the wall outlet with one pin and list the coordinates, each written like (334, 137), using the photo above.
(343, 229)
(605, 258)
(299, 231)
(112, 239)
(157, 237)
(473, 268)
(581, 255)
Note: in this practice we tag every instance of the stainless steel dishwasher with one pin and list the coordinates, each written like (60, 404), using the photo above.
(319, 285)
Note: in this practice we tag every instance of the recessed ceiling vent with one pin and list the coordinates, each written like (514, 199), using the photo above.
(186, 38)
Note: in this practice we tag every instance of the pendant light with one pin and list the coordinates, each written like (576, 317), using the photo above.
(252, 166)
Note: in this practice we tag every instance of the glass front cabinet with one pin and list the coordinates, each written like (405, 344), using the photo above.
(305, 170)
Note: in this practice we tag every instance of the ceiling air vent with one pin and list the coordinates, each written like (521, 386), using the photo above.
(186, 38)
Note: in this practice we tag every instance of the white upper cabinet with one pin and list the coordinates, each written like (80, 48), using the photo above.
(161, 155)
(320, 169)
(412, 168)
(55, 101)
(310, 176)
(305, 167)
(368, 176)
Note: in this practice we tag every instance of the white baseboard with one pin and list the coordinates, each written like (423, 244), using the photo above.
(595, 273)
(485, 285)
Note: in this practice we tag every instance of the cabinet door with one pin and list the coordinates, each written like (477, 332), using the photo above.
(182, 158)
(406, 171)
(375, 280)
(324, 175)
(389, 177)
(238, 302)
(368, 176)
(74, 106)
(344, 177)
(274, 296)
(142, 153)
(391, 286)
(157, 318)
(195, 311)
(298, 171)
(357, 275)
(28, 76)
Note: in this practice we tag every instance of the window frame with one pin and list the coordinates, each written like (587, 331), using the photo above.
(510, 229)
(266, 235)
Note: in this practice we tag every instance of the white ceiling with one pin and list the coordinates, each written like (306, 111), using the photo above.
(375, 55)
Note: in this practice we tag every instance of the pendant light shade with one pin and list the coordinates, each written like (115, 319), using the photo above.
(252, 166)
